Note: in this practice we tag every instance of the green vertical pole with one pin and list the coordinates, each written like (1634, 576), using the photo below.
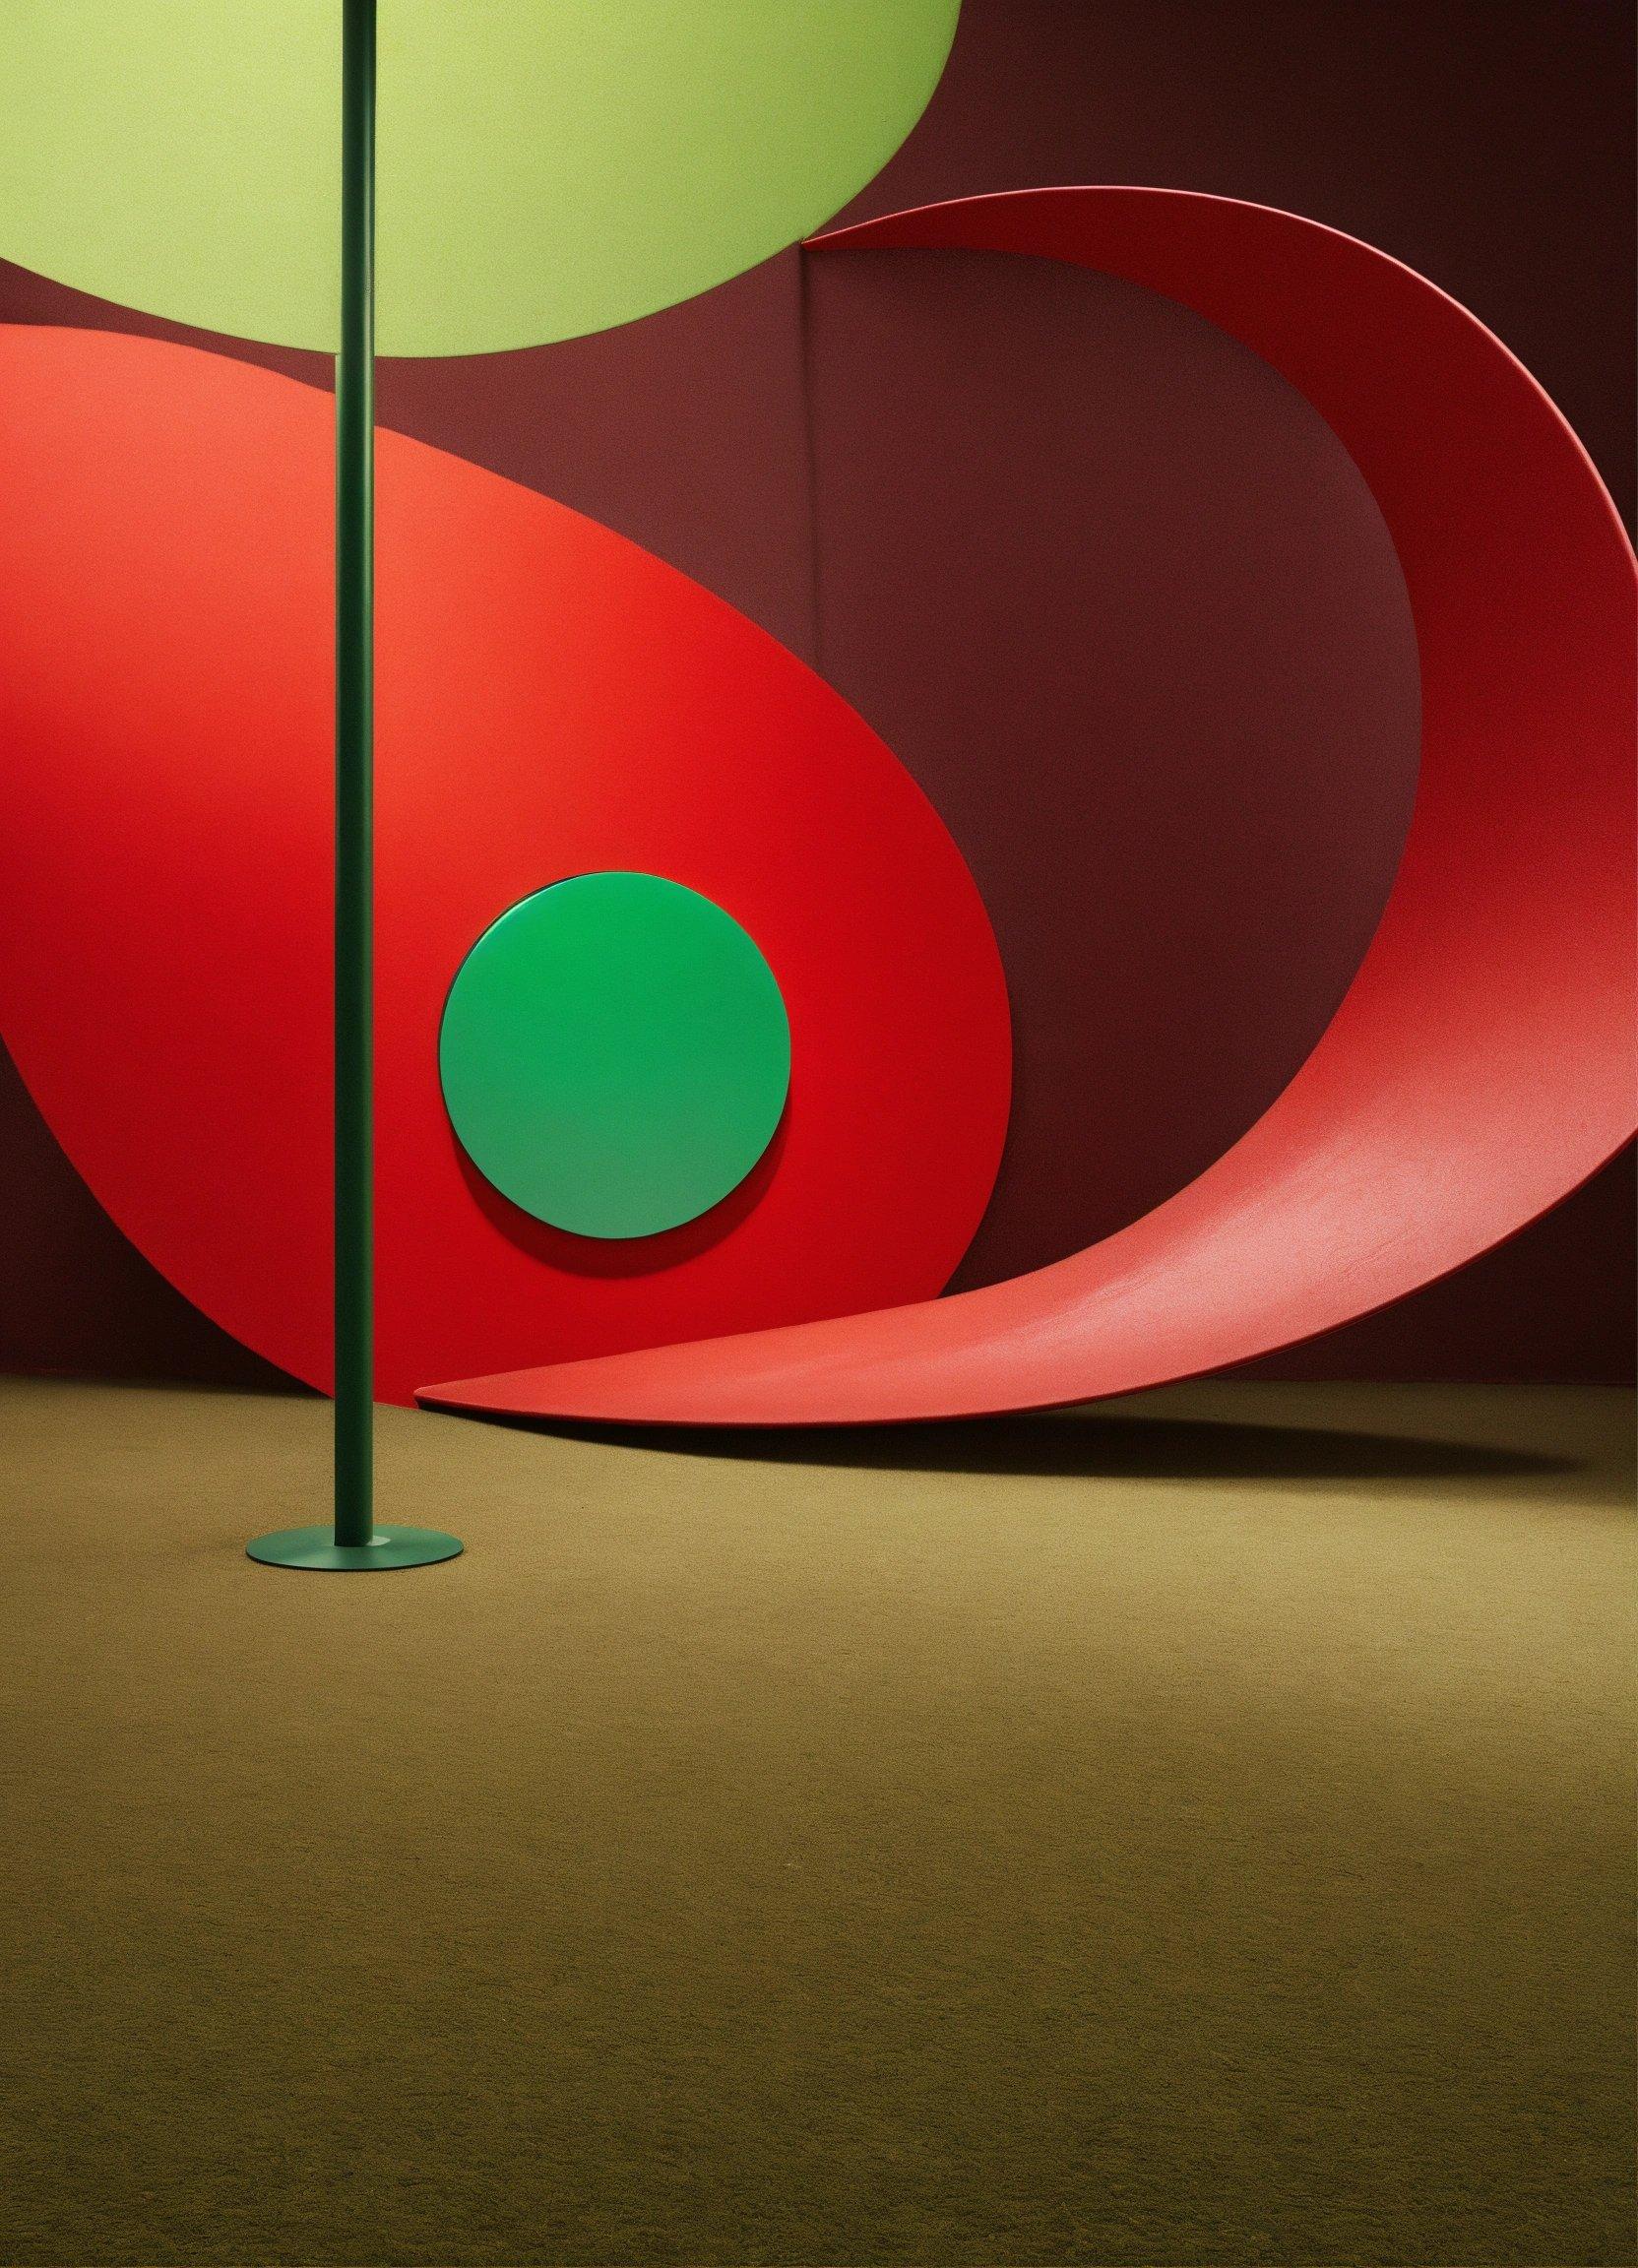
(354, 789)
(353, 1541)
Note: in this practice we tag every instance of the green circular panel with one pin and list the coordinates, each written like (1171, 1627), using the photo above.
(614, 1054)
(545, 168)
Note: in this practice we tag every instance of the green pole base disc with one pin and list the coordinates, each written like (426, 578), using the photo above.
(388, 1548)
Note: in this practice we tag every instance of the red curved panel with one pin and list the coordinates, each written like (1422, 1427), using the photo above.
(1482, 1063)
(551, 700)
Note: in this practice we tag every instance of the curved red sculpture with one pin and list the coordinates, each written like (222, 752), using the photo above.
(551, 701)
(1482, 1064)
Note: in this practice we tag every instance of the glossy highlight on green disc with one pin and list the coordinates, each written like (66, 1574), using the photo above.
(545, 168)
(614, 1054)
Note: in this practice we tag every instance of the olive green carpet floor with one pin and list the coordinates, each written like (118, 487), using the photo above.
(1194, 1831)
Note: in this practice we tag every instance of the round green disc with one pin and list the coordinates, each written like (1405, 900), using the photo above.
(544, 168)
(614, 1054)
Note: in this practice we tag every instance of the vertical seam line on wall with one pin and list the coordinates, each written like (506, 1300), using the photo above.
(810, 460)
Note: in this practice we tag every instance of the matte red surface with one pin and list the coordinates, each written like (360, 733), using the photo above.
(551, 700)
(1480, 1066)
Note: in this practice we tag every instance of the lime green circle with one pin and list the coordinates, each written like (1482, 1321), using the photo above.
(545, 168)
(614, 1054)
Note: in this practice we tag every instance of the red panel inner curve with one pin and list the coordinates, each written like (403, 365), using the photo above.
(1480, 1065)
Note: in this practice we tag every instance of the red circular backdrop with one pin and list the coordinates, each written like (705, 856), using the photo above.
(551, 701)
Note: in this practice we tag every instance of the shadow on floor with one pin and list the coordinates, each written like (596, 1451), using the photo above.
(1085, 1443)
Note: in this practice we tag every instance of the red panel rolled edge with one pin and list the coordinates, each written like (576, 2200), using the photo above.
(1480, 1066)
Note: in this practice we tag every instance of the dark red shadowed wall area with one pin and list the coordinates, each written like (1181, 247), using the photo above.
(1108, 586)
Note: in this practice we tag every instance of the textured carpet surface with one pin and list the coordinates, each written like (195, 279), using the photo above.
(1197, 1831)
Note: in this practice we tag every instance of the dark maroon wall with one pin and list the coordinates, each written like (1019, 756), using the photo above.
(1122, 603)
(1107, 586)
